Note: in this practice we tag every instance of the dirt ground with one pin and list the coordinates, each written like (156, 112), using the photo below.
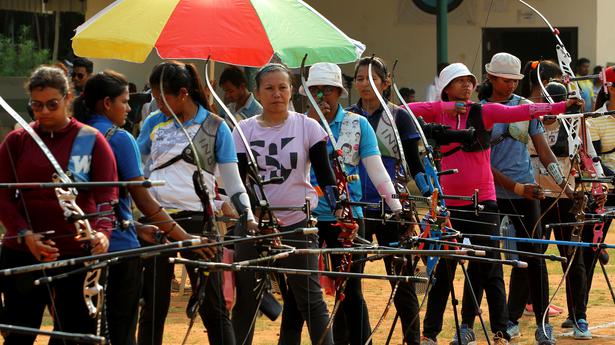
(601, 313)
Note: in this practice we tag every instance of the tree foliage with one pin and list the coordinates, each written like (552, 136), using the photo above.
(18, 57)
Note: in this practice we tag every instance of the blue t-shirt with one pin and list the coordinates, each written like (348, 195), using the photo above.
(367, 146)
(225, 146)
(129, 167)
(407, 131)
(510, 156)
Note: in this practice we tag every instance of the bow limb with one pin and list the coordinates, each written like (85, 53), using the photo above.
(438, 214)
(200, 187)
(67, 199)
(400, 180)
(434, 224)
(345, 221)
(571, 125)
(210, 225)
(400, 183)
(389, 116)
(575, 127)
(563, 56)
(429, 161)
(267, 222)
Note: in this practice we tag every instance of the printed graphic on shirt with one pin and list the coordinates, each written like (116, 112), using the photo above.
(81, 154)
(551, 136)
(167, 142)
(349, 139)
(205, 142)
(386, 138)
(277, 162)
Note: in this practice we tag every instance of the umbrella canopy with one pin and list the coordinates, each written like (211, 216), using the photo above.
(238, 32)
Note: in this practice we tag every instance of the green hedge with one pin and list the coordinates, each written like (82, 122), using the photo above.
(18, 58)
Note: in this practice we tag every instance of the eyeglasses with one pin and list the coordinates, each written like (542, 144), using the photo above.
(51, 105)
(77, 75)
(327, 90)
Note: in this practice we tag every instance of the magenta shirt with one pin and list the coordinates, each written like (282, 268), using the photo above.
(475, 167)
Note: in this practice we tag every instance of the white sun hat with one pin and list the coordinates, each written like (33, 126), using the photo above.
(325, 73)
(449, 73)
(505, 65)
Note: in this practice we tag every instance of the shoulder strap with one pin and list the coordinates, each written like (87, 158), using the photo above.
(451, 151)
(110, 132)
(385, 135)
(80, 157)
(168, 163)
(205, 142)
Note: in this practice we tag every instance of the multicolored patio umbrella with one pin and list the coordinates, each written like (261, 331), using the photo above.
(238, 32)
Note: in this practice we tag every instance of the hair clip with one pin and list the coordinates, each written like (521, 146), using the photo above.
(534, 64)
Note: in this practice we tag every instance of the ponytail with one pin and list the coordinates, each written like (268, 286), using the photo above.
(178, 75)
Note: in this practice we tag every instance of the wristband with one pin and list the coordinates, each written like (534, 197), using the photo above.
(556, 173)
(519, 188)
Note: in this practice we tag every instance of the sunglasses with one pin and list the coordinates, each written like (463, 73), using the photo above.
(51, 105)
(327, 90)
(77, 75)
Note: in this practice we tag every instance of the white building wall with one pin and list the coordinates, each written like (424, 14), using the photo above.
(397, 29)
(605, 39)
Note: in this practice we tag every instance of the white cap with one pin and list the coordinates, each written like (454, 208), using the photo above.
(505, 65)
(325, 73)
(449, 73)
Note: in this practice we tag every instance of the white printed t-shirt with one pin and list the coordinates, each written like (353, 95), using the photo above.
(283, 151)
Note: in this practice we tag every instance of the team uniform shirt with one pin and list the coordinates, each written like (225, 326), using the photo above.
(358, 141)
(251, 108)
(283, 151)
(510, 155)
(161, 139)
(386, 144)
(541, 174)
(475, 167)
(42, 211)
(129, 166)
(603, 129)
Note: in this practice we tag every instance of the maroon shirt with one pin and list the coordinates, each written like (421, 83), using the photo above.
(21, 160)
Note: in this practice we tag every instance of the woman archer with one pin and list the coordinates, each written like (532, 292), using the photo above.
(80, 150)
